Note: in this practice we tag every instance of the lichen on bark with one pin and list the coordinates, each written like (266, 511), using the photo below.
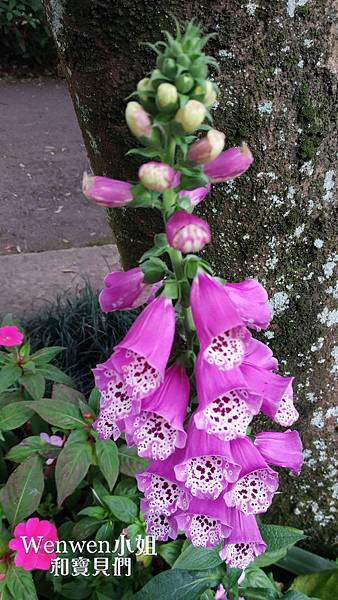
(278, 86)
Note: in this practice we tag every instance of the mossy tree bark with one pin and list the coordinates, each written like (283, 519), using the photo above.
(278, 83)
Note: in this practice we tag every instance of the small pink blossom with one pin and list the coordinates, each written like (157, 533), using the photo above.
(53, 440)
(10, 336)
(187, 233)
(30, 542)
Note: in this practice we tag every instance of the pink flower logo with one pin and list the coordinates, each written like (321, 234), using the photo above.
(10, 336)
(34, 544)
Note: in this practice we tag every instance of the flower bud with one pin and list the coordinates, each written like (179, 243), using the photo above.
(166, 97)
(156, 176)
(206, 94)
(190, 116)
(169, 67)
(199, 69)
(229, 164)
(207, 148)
(184, 83)
(187, 233)
(195, 196)
(107, 192)
(138, 120)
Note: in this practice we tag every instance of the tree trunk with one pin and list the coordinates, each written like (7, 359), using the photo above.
(278, 85)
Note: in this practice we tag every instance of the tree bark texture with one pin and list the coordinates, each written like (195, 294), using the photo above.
(278, 86)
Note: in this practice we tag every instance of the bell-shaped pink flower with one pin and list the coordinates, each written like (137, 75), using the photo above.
(221, 332)
(36, 534)
(163, 492)
(187, 233)
(142, 356)
(253, 492)
(195, 196)
(244, 542)
(161, 526)
(281, 410)
(228, 400)
(124, 290)
(158, 429)
(205, 523)
(111, 193)
(207, 465)
(156, 176)
(10, 336)
(207, 148)
(251, 301)
(281, 449)
(116, 402)
(229, 164)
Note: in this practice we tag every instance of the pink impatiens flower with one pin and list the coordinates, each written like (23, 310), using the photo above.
(33, 541)
(53, 440)
(124, 290)
(10, 336)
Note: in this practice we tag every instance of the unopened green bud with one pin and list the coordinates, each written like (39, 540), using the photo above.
(206, 94)
(184, 83)
(198, 69)
(169, 67)
(166, 97)
(157, 77)
(190, 116)
(184, 61)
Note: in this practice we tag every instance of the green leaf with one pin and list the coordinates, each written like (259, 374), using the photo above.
(197, 559)
(11, 397)
(45, 355)
(122, 508)
(146, 152)
(177, 584)
(170, 551)
(278, 539)
(71, 468)
(34, 384)
(96, 512)
(20, 584)
(29, 446)
(61, 414)
(323, 584)
(67, 394)
(153, 269)
(94, 400)
(256, 578)
(75, 589)
(8, 376)
(55, 374)
(301, 562)
(297, 596)
(14, 415)
(260, 593)
(85, 528)
(23, 491)
(107, 460)
(130, 462)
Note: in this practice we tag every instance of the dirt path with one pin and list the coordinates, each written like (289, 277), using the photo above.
(42, 161)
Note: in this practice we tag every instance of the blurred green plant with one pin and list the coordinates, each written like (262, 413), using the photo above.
(24, 33)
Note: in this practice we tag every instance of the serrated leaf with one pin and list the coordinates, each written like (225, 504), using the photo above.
(197, 559)
(34, 384)
(29, 446)
(54, 374)
(130, 462)
(67, 394)
(177, 584)
(96, 512)
(8, 376)
(170, 551)
(23, 491)
(14, 415)
(61, 414)
(71, 468)
(108, 460)
(278, 536)
(20, 584)
(122, 508)
(45, 355)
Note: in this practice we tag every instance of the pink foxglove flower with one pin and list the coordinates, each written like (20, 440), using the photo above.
(228, 400)
(53, 440)
(187, 233)
(116, 402)
(138, 121)
(229, 164)
(195, 196)
(221, 332)
(38, 532)
(10, 336)
(207, 465)
(205, 523)
(158, 429)
(281, 449)
(161, 526)
(124, 290)
(281, 410)
(111, 193)
(163, 493)
(207, 148)
(253, 492)
(142, 356)
(244, 542)
(156, 176)
(251, 301)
